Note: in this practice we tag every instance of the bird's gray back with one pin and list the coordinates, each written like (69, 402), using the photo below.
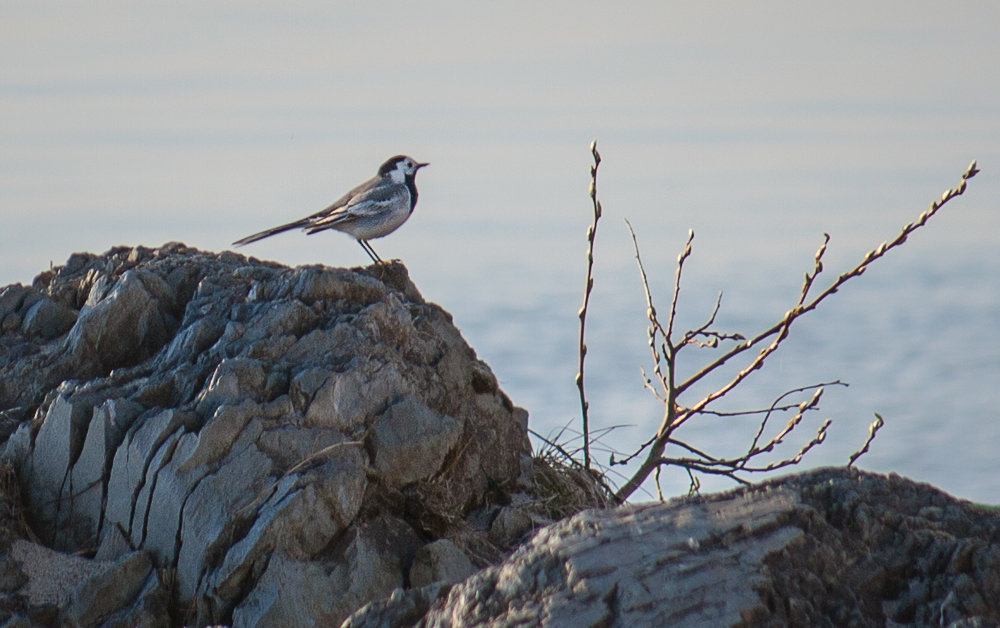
(344, 200)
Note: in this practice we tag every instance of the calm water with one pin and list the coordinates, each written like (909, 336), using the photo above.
(760, 129)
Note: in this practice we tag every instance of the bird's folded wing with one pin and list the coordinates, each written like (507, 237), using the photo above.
(344, 200)
(368, 204)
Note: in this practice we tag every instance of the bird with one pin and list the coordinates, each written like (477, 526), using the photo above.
(371, 210)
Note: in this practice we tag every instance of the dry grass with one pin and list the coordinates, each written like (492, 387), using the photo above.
(566, 487)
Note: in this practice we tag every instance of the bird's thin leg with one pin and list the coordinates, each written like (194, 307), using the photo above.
(370, 251)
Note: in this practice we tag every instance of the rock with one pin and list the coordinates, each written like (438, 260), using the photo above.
(293, 521)
(48, 319)
(829, 547)
(369, 565)
(15, 301)
(234, 380)
(440, 561)
(412, 442)
(212, 510)
(57, 445)
(52, 577)
(248, 428)
(108, 592)
(122, 327)
(513, 522)
(17, 449)
(85, 592)
(401, 608)
(108, 425)
(129, 473)
(151, 608)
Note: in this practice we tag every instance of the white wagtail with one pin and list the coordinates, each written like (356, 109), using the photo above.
(374, 209)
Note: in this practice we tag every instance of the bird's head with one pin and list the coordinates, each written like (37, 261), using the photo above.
(400, 167)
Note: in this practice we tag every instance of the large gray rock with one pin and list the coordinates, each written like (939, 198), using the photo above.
(123, 326)
(108, 425)
(111, 591)
(825, 548)
(65, 590)
(48, 319)
(440, 561)
(249, 429)
(368, 564)
(409, 440)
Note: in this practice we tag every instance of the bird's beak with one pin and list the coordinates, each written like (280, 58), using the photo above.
(419, 166)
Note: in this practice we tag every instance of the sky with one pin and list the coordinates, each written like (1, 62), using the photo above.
(759, 125)
(142, 122)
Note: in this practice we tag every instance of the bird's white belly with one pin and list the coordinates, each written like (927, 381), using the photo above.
(371, 228)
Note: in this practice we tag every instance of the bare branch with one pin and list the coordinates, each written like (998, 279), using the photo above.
(799, 310)
(774, 407)
(675, 416)
(803, 407)
(634, 454)
(812, 405)
(703, 461)
(872, 431)
(817, 269)
(677, 283)
(647, 383)
(654, 322)
(714, 337)
(591, 235)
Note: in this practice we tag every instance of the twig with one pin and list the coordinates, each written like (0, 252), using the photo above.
(677, 285)
(872, 431)
(591, 234)
(813, 404)
(655, 328)
(774, 407)
(634, 454)
(730, 466)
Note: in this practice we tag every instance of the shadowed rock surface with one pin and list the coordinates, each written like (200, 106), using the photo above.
(279, 443)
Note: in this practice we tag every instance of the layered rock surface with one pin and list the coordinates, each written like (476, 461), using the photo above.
(252, 442)
(826, 548)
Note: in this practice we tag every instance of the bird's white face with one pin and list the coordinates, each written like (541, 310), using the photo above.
(404, 167)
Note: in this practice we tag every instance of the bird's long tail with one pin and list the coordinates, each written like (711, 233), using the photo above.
(272, 231)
